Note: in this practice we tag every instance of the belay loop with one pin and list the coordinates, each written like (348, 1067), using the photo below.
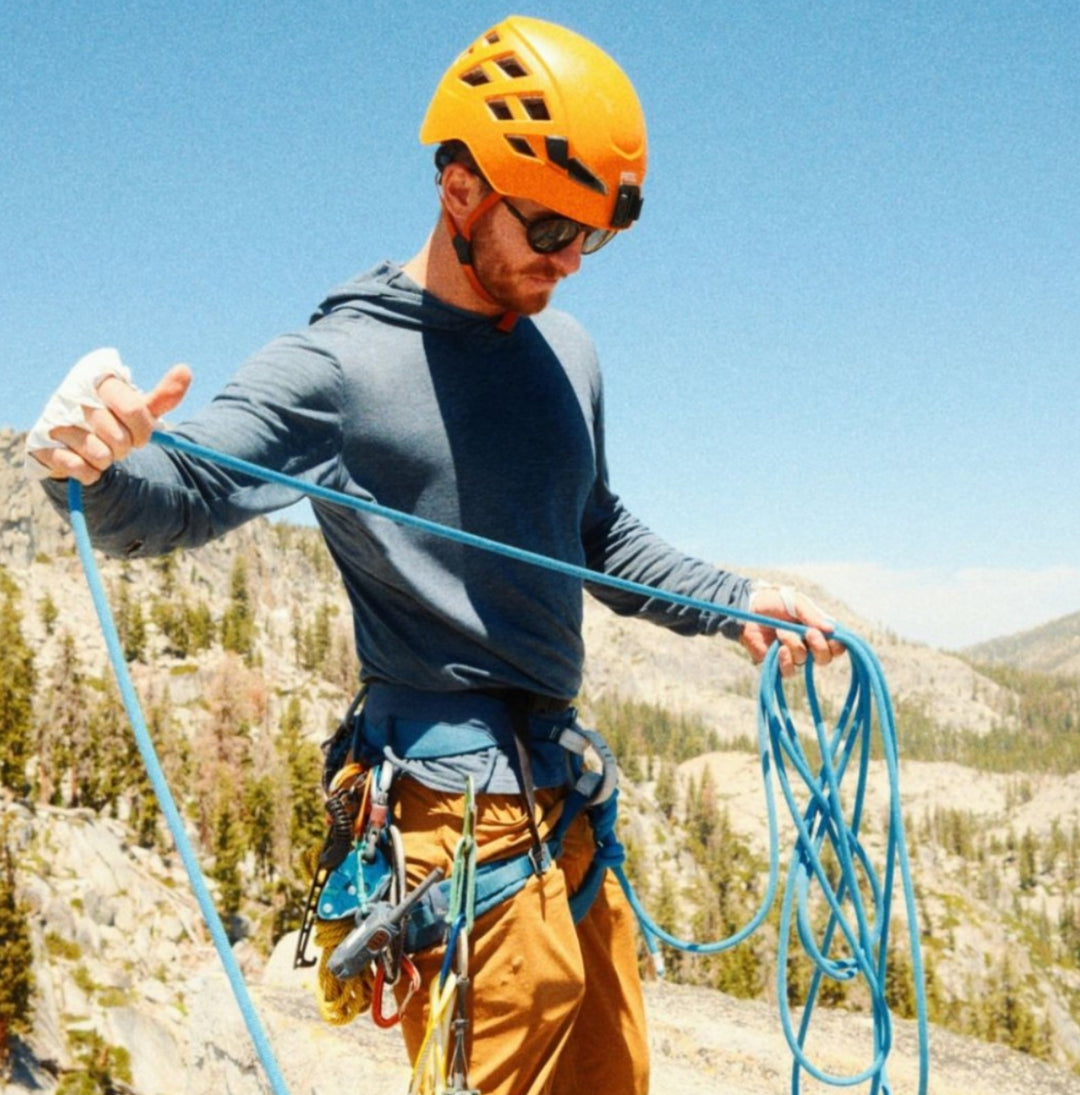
(817, 824)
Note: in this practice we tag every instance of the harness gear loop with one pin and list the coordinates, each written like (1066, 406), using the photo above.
(379, 926)
(596, 786)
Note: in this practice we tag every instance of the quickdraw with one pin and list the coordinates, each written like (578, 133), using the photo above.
(441, 1066)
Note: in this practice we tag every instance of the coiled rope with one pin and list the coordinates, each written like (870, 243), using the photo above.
(822, 821)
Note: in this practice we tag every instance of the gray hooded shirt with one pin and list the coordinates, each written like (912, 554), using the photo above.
(392, 395)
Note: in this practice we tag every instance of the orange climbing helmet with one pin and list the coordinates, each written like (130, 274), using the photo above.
(547, 116)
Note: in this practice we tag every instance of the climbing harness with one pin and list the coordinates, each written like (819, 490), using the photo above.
(861, 927)
(363, 885)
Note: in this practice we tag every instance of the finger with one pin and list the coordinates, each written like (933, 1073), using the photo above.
(65, 464)
(89, 448)
(792, 649)
(170, 390)
(756, 642)
(818, 646)
(111, 431)
(785, 662)
(137, 412)
(125, 412)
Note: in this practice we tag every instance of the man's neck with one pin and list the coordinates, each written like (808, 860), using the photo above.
(436, 269)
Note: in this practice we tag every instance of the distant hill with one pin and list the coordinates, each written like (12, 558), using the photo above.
(1053, 647)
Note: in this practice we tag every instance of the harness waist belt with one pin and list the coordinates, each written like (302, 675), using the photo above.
(419, 725)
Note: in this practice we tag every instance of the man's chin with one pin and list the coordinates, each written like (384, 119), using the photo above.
(534, 301)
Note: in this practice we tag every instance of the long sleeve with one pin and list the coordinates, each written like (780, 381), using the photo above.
(280, 411)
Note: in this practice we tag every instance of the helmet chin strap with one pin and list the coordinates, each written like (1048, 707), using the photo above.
(461, 240)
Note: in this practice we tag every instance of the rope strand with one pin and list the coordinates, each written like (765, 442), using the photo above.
(164, 795)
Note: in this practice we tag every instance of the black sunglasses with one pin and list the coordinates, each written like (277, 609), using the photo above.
(549, 232)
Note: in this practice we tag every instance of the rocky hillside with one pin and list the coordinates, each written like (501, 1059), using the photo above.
(122, 953)
(123, 965)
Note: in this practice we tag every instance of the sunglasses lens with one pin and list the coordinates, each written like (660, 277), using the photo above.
(595, 238)
(550, 234)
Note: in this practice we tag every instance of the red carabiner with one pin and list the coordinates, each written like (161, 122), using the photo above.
(378, 1016)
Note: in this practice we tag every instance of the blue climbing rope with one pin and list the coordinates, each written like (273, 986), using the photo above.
(164, 794)
(859, 902)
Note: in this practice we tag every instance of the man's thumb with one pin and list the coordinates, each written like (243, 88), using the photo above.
(170, 390)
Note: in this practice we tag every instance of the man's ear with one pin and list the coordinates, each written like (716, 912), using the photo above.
(462, 191)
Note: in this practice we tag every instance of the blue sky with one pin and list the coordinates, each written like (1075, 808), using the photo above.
(843, 337)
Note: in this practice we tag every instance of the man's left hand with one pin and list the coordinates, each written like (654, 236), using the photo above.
(784, 603)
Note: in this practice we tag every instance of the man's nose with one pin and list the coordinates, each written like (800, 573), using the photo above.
(568, 259)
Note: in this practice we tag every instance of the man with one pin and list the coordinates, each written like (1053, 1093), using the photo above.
(446, 388)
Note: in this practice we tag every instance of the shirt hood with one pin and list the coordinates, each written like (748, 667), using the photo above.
(387, 293)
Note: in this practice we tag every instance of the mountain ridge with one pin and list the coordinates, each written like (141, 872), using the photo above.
(1052, 647)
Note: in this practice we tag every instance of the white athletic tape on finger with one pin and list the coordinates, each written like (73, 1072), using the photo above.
(787, 598)
(77, 391)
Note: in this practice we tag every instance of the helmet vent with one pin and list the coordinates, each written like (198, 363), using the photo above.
(521, 146)
(581, 174)
(492, 37)
(475, 77)
(500, 111)
(558, 150)
(512, 67)
(536, 109)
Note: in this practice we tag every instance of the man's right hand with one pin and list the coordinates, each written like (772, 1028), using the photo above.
(124, 420)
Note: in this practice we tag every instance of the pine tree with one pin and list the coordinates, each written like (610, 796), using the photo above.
(16, 959)
(18, 681)
(900, 983)
(238, 623)
(221, 751)
(62, 725)
(1028, 861)
(172, 621)
(260, 808)
(303, 764)
(200, 625)
(665, 913)
(228, 851)
(165, 565)
(103, 759)
(317, 640)
(130, 624)
(48, 613)
(173, 752)
(666, 793)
